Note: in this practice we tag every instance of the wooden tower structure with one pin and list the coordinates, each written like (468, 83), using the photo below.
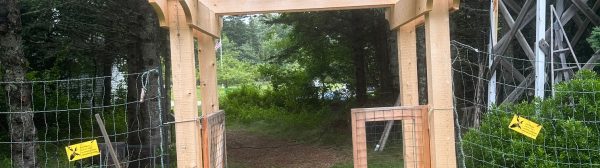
(201, 19)
(550, 54)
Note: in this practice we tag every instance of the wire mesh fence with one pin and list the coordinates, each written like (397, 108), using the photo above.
(390, 137)
(41, 118)
(216, 128)
(487, 133)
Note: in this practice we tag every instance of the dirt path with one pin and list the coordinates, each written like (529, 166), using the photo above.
(245, 149)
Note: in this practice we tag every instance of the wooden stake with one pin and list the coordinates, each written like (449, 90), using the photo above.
(111, 150)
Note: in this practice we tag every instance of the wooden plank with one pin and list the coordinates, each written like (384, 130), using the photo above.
(569, 14)
(189, 153)
(111, 150)
(161, 9)
(583, 27)
(407, 11)
(425, 162)
(409, 91)
(364, 110)
(524, 17)
(240, 7)
(492, 84)
(201, 17)
(208, 73)
(439, 77)
(208, 88)
(454, 5)
(391, 115)
(585, 9)
(512, 5)
(592, 62)
(519, 90)
(359, 141)
(520, 37)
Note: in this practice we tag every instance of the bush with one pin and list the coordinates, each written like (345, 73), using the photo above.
(569, 136)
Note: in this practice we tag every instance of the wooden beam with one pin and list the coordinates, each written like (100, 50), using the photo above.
(161, 9)
(439, 78)
(592, 62)
(240, 7)
(207, 59)
(208, 89)
(425, 150)
(374, 109)
(585, 9)
(187, 128)
(512, 5)
(409, 91)
(407, 11)
(583, 27)
(520, 37)
(519, 90)
(524, 17)
(359, 140)
(201, 17)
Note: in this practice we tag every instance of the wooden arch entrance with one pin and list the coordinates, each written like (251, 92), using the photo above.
(201, 19)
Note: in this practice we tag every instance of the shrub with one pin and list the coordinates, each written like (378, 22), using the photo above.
(569, 136)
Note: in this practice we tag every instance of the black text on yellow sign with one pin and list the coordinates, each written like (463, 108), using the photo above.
(82, 150)
(525, 127)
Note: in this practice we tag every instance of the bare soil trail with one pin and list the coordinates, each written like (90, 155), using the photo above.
(249, 150)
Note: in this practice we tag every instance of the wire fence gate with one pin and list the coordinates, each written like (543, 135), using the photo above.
(62, 111)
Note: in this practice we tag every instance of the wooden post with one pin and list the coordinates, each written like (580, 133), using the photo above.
(208, 88)
(493, 40)
(359, 141)
(409, 92)
(540, 57)
(439, 78)
(187, 128)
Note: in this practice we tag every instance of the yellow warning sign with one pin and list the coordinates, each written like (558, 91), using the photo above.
(82, 150)
(525, 127)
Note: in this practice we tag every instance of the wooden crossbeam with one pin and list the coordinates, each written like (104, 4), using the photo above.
(583, 26)
(587, 11)
(201, 17)
(512, 5)
(524, 17)
(520, 37)
(404, 12)
(239, 7)
(519, 90)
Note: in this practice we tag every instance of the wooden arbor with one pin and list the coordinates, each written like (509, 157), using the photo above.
(201, 19)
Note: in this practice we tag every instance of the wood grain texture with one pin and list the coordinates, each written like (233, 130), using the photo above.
(201, 17)
(439, 78)
(187, 132)
(239, 7)
(409, 91)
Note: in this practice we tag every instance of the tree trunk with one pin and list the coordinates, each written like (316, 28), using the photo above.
(359, 61)
(13, 63)
(360, 72)
(383, 60)
(143, 55)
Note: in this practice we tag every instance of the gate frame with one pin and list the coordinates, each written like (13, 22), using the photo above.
(416, 114)
(202, 19)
